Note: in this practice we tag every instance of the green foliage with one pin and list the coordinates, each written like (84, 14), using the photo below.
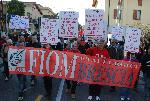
(51, 16)
(16, 7)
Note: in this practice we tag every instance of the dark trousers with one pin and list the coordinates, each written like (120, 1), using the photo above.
(32, 78)
(6, 69)
(22, 83)
(48, 84)
(94, 90)
(71, 85)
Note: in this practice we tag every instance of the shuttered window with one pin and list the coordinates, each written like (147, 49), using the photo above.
(136, 14)
(140, 2)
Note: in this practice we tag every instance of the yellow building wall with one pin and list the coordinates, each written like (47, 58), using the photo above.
(128, 7)
(34, 12)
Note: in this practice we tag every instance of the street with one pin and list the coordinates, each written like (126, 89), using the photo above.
(8, 91)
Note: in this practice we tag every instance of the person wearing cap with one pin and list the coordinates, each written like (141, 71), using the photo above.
(101, 52)
(5, 58)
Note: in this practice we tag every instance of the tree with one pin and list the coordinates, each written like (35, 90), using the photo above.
(15, 7)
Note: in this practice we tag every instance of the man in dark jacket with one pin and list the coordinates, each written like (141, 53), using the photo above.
(115, 52)
(61, 45)
(146, 66)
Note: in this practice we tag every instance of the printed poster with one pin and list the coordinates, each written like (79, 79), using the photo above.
(132, 40)
(94, 24)
(19, 22)
(49, 31)
(68, 24)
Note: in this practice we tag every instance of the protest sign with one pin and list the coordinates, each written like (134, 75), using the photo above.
(19, 22)
(132, 40)
(72, 66)
(68, 24)
(49, 31)
(94, 23)
(117, 33)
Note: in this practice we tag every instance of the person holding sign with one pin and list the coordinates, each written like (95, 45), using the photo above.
(101, 52)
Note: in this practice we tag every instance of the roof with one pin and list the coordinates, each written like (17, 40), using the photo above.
(45, 8)
(38, 7)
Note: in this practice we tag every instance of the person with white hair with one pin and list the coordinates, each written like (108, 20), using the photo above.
(5, 49)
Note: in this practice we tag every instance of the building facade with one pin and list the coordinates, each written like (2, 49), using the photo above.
(127, 12)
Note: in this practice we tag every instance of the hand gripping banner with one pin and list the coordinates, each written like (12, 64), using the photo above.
(72, 66)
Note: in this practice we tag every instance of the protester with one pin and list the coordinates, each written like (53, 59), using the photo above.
(83, 46)
(34, 43)
(2, 40)
(115, 50)
(113, 53)
(146, 70)
(5, 58)
(47, 79)
(125, 93)
(71, 85)
(101, 52)
(21, 78)
(61, 45)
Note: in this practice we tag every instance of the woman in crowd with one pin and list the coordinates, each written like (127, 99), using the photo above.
(71, 85)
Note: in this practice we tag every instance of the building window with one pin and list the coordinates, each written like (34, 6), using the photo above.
(117, 14)
(137, 15)
(140, 2)
(120, 2)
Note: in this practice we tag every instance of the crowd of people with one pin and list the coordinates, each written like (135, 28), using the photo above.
(98, 48)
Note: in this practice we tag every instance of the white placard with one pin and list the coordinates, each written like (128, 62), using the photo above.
(103, 35)
(132, 40)
(68, 24)
(49, 31)
(19, 22)
(117, 32)
(94, 23)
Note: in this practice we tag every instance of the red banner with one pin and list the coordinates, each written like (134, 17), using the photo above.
(72, 66)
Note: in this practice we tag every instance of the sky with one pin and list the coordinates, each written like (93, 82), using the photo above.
(75, 5)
